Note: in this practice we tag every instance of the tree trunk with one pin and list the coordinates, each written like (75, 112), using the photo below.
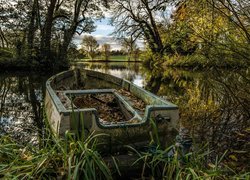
(68, 35)
(3, 39)
(155, 35)
(63, 49)
(31, 30)
(46, 34)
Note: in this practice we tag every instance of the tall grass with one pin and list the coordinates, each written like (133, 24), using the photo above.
(169, 163)
(76, 157)
(67, 158)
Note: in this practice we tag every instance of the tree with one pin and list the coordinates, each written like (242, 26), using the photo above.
(32, 27)
(43, 30)
(46, 30)
(237, 37)
(105, 49)
(73, 52)
(129, 46)
(219, 27)
(237, 11)
(137, 19)
(136, 54)
(90, 45)
(4, 41)
(71, 17)
(14, 19)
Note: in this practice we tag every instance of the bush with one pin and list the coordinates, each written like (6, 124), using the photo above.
(5, 55)
(200, 61)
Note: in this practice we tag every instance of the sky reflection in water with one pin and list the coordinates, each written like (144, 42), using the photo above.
(214, 104)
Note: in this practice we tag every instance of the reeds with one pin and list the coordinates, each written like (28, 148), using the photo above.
(76, 157)
(169, 163)
(72, 157)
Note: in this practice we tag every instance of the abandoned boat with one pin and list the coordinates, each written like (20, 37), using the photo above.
(83, 100)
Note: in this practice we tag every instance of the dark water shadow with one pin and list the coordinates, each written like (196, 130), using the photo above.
(21, 97)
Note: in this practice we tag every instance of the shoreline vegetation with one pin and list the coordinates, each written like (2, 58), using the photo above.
(54, 158)
(192, 62)
(40, 35)
(76, 156)
(194, 34)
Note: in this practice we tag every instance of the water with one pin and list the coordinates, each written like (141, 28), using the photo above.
(214, 104)
(21, 96)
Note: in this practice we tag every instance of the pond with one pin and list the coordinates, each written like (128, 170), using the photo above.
(21, 96)
(214, 104)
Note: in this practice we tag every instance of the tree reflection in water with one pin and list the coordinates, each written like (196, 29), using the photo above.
(20, 105)
(125, 70)
(214, 106)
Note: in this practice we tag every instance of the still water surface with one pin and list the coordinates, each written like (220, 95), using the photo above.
(21, 96)
(214, 104)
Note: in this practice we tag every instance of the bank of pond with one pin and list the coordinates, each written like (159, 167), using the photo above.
(9, 61)
(214, 111)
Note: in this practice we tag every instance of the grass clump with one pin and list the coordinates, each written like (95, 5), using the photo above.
(170, 163)
(76, 157)
(56, 158)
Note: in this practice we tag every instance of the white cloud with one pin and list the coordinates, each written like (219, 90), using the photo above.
(108, 14)
(101, 39)
(103, 27)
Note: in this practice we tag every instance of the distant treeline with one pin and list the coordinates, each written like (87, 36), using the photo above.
(175, 33)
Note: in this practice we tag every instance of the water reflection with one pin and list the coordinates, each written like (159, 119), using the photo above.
(129, 71)
(214, 104)
(20, 105)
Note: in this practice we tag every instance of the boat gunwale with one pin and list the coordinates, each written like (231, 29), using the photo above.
(165, 105)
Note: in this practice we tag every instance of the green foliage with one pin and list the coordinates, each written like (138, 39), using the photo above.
(57, 158)
(74, 53)
(76, 157)
(200, 61)
(90, 45)
(176, 38)
(41, 32)
(152, 60)
(8, 59)
(6, 53)
(169, 163)
(214, 31)
(6, 56)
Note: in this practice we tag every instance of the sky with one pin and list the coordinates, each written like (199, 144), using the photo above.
(102, 34)
(103, 31)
